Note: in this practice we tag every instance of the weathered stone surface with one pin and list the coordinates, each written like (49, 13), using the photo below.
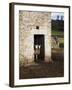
(27, 28)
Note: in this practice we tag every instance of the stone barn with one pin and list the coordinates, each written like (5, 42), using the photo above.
(34, 36)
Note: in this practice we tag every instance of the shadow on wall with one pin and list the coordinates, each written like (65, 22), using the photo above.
(48, 59)
(23, 60)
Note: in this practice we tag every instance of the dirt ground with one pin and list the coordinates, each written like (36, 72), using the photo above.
(45, 70)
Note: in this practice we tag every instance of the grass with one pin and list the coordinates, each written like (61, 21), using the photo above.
(59, 34)
(55, 32)
(58, 50)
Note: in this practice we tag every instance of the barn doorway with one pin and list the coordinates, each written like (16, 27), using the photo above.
(39, 48)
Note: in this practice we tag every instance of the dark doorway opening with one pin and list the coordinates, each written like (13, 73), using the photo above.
(39, 48)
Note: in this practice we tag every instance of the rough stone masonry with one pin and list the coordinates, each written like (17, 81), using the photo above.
(28, 20)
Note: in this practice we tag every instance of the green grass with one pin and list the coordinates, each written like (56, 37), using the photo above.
(57, 50)
(55, 32)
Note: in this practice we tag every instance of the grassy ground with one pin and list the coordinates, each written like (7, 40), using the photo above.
(55, 32)
(40, 70)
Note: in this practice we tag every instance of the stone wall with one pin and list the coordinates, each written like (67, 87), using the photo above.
(27, 28)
